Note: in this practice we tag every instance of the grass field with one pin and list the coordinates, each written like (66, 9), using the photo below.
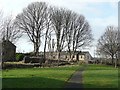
(37, 77)
(100, 76)
(94, 76)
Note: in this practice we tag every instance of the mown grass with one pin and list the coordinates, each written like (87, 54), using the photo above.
(0, 79)
(100, 76)
(38, 77)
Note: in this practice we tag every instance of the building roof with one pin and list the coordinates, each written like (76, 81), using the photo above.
(7, 41)
(65, 52)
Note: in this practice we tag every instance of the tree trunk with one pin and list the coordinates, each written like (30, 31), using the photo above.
(36, 49)
(112, 59)
(105, 61)
(69, 53)
(115, 63)
(71, 57)
(45, 46)
(58, 57)
(44, 52)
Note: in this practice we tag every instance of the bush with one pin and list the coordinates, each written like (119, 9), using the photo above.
(19, 56)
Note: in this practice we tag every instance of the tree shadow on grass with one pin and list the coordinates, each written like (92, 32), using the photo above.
(32, 82)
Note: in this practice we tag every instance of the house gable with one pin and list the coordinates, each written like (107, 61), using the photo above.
(7, 51)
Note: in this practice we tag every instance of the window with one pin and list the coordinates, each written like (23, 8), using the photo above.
(65, 56)
(53, 57)
(73, 56)
(81, 56)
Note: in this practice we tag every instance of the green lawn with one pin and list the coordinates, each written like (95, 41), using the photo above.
(100, 76)
(37, 77)
(94, 76)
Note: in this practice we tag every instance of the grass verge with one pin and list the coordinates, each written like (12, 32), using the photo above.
(100, 76)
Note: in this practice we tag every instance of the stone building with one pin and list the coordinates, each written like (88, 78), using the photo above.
(7, 51)
(81, 56)
(78, 56)
(84, 56)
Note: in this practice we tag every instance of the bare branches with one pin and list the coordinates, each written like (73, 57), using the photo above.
(9, 30)
(108, 43)
(78, 32)
(32, 21)
(1, 18)
(57, 19)
(71, 29)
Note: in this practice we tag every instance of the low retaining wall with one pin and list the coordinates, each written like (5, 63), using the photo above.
(27, 59)
(19, 65)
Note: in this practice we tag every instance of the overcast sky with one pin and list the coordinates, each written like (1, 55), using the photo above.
(99, 13)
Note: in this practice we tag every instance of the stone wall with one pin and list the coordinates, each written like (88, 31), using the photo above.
(27, 59)
(8, 51)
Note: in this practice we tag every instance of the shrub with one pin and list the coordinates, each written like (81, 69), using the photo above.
(19, 56)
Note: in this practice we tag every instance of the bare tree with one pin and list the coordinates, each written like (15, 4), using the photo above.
(72, 30)
(78, 32)
(1, 18)
(1, 15)
(47, 31)
(32, 22)
(9, 30)
(118, 53)
(68, 23)
(108, 43)
(57, 19)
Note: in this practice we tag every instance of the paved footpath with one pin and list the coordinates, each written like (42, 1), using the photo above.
(76, 79)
